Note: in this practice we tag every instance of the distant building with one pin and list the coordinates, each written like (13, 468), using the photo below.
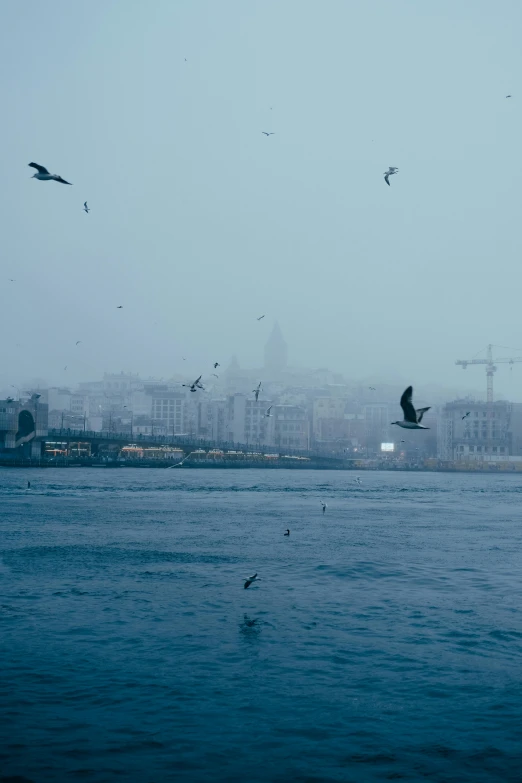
(377, 420)
(292, 427)
(329, 409)
(212, 420)
(246, 420)
(276, 353)
(491, 430)
(169, 409)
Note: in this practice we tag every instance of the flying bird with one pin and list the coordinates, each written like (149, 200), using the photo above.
(267, 134)
(268, 414)
(358, 480)
(508, 96)
(324, 505)
(215, 376)
(260, 317)
(78, 342)
(466, 415)
(194, 386)
(287, 533)
(120, 307)
(249, 580)
(387, 174)
(216, 365)
(85, 207)
(412, 418)
(371, 388)
(257, 390)
(11, 280)
(43, 174)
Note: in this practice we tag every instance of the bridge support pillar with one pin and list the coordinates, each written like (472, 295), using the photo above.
(36, 449)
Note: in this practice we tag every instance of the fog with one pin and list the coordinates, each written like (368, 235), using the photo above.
(199, 223)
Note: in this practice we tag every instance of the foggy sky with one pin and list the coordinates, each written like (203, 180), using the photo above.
(199, 223)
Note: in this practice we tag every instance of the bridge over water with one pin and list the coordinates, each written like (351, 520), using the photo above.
(100, 441)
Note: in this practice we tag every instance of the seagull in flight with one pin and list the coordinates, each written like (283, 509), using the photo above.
(466, 415)
(249, 580)
(194, 386)
(508, 96)
(260, 317)
(268, 414)
(257, 390)
(358, 480)
(85, 207)
(215, 376)
(387, 174)
(216, 365)
(78, 342)
(371, 388)
(412, 418)
(267, 134)
(120, 307)
(43, 174)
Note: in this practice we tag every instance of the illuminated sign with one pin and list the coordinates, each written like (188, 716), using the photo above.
(387, 446)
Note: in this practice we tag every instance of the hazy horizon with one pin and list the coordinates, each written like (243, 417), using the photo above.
(199, 223)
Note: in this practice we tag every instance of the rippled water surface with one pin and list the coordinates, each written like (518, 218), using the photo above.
(383, 641)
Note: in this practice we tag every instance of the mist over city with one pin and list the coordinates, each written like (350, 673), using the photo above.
(199, 223)
(260, 391)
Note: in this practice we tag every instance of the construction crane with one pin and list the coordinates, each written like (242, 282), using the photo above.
(490, 366)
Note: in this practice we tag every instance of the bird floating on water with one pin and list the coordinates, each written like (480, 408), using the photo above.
(257, 390)
(325, 506)
(358, 480)
(287, 533)
(268, 414)
(43, 174)
(412, 418)
(466, 415)
(387, 174)
(250, 579)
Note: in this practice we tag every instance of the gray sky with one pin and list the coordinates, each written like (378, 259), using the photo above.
(199, 223)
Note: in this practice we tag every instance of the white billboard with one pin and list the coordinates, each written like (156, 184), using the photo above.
(387, 446)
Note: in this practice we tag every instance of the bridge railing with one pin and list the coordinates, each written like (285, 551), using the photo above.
(185, 443)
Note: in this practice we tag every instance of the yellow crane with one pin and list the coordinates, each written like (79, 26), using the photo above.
(490, 366)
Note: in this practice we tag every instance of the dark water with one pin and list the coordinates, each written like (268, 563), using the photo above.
(384, 641)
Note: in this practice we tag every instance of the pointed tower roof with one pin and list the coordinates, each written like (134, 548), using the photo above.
(276, 351)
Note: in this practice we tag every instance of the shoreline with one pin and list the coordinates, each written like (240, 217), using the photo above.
(247, 465)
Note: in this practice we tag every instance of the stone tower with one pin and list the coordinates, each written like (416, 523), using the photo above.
(276, 352)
